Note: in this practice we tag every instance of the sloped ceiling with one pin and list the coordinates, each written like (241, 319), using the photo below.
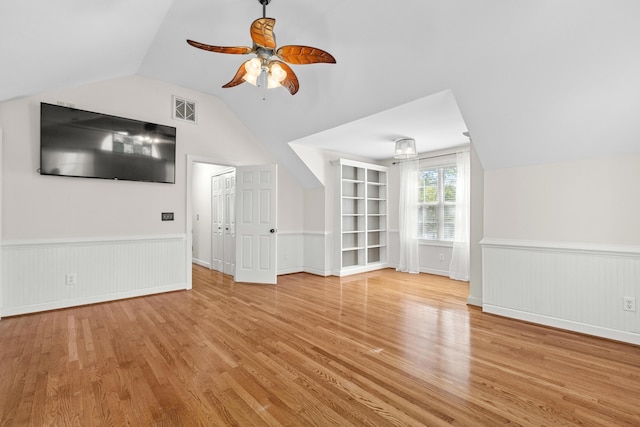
(533, 81)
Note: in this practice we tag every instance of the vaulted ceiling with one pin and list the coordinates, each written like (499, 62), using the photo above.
(533, 81)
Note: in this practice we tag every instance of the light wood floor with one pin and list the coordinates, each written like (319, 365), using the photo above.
(377, 349)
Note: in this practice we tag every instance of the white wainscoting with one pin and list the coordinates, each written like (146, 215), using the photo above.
(290, 252)
(297, 252)
(318, 253)
(579, 287)
(34, 273)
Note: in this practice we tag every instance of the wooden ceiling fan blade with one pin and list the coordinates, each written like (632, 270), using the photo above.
(238, 78)
(262, 33)
(295, 54)
(291, 81)
(235, 50)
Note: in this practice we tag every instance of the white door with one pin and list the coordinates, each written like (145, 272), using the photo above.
(229, 223)
(256, 238)
(217, 223)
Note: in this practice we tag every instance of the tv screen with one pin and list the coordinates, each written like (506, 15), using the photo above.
(93, 145)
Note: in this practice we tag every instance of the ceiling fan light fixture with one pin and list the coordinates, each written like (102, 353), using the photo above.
(276, 71)
(253, 69)
(405, 149)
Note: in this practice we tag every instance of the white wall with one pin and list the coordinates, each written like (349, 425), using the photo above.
(562, 244)
(87, 207)
(593, 201)
(48, 216)
(477, 228)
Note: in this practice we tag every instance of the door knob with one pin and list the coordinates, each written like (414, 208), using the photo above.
(273, 230)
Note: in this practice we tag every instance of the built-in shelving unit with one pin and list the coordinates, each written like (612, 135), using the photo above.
(361, 217)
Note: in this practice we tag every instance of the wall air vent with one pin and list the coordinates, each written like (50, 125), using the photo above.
(184, 110)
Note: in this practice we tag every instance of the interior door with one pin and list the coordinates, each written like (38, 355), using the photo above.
(229, 221)
(256, 238)
(217, 223)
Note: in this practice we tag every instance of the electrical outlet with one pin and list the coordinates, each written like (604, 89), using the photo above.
(629, 304)
(167, 216)
(70, 278)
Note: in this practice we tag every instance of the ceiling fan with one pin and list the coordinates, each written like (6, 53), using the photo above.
(269, 67)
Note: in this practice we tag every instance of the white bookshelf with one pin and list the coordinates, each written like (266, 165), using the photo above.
(361, 217)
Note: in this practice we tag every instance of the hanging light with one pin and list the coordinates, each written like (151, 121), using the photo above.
(253, 69)
(276, 75)
(405, 148)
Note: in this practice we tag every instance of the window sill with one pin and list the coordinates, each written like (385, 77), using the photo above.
(437, 243)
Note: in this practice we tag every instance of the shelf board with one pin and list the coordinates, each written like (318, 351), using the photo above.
(352, 231)
(375, 246)
(377, 183)
(377, 214)
(354, 248)
(354, 197)
(352, 214)
(353, 181)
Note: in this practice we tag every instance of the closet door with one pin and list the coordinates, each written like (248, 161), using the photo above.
(229, 221)
(217, 223)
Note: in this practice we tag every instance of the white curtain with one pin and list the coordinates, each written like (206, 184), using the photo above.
(409, 261)
(459, 268)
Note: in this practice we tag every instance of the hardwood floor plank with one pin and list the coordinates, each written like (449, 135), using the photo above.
(377, 349)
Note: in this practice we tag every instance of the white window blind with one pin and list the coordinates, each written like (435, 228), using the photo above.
(437, 203)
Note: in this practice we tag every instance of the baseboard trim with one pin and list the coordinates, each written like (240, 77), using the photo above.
(612, 334)
(290, 270)
(434, 271)
(16, 311)
(201, 263)
(474, 301)
(317, 272)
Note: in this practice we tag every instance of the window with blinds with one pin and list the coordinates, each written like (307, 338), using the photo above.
(437, 203)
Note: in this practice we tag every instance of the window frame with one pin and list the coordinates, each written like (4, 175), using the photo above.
(440, 165)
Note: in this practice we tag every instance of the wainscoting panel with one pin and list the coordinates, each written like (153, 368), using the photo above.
(318, 253)
(571, 286)
(34, 277)
(290, 255)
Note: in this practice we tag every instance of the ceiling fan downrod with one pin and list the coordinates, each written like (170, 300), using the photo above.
(264, 4)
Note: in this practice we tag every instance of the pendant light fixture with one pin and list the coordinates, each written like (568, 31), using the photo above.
(405, 149)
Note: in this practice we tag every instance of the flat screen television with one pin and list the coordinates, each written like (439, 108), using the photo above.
(87, 144)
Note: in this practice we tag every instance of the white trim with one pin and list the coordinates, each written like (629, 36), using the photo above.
(348, 271)
(317, 272)
(291, 233)
(290, 271)
(15, 311)
(435, 243)
(477, 302)
(569, 325)
(565, 247)
(90, 240)
(201, 263)
(358, 164)
(444, 273)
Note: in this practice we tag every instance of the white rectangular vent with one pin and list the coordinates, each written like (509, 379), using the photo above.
(184, 110)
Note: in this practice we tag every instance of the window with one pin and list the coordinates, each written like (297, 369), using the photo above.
(437, 203)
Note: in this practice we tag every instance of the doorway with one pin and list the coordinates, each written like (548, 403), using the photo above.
(255, 229)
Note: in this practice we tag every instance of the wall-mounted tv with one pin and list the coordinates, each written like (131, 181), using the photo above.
(86, 144)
